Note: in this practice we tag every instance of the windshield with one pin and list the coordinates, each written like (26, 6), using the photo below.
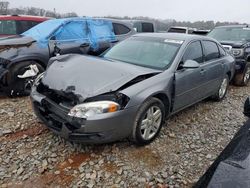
(146, 52)
(8, 27)
(230, 34)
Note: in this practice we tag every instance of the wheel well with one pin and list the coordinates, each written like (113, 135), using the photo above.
(31, 60)
(164, 98)
(7, 77)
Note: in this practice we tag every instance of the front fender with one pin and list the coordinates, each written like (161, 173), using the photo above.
(143, 90)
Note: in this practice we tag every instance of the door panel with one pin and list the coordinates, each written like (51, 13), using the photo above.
(188, 87)
(214, 72)
(214, 66)
(189, 84)
(67, 47)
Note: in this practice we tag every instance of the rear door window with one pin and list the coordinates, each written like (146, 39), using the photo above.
(120, 29)
(193, 52)
(211, 50)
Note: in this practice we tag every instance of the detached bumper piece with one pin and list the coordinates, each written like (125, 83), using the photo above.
(57, 120)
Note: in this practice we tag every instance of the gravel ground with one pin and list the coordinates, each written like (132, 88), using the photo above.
(31, 156)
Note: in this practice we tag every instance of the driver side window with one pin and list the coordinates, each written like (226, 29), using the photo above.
(193, 52)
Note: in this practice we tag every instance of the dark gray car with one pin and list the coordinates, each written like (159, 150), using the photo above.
(132, 89)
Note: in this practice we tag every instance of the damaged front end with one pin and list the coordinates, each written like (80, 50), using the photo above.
(98, 119)
(85, 101)
(93, 121)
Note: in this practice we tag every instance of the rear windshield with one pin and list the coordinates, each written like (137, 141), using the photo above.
(8, 27)
(231, 34)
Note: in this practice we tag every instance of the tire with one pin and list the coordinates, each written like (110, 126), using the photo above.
(243, 78)
(145, 136)
(21, 86)
(222, 91)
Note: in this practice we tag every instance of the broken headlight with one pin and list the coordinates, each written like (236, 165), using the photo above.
(89, 109)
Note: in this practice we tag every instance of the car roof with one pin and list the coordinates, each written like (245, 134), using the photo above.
(24, 17)
(175, 36)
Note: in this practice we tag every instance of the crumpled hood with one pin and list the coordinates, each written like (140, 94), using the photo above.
(16, 41)
(234, 44)
(90, 76)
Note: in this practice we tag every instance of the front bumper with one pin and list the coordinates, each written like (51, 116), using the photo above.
(101, 128)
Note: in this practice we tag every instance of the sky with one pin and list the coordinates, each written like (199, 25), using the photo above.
(180, 10)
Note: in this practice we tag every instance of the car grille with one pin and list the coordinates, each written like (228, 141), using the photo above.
(55, 107)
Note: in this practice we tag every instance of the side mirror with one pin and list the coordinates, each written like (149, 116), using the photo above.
(247, 108)
(190, 64)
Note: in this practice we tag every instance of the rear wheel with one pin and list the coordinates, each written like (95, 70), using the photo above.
(243, 78)
(148, 122)
(21, 86)
(222, 91)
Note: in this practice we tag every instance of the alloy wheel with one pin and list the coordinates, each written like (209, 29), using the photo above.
(223, 88)
(151, 122)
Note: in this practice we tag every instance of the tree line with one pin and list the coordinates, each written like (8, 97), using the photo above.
(161, 24)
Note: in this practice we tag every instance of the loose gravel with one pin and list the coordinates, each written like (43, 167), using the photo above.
(31, 156)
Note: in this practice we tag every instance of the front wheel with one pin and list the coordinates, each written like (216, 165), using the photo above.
(148, 122)
(222, 91)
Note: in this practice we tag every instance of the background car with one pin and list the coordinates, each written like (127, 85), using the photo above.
(17, 24)
(142, 26)
(132, 88)
(25, 56)
(177, 29)
(236, 39)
